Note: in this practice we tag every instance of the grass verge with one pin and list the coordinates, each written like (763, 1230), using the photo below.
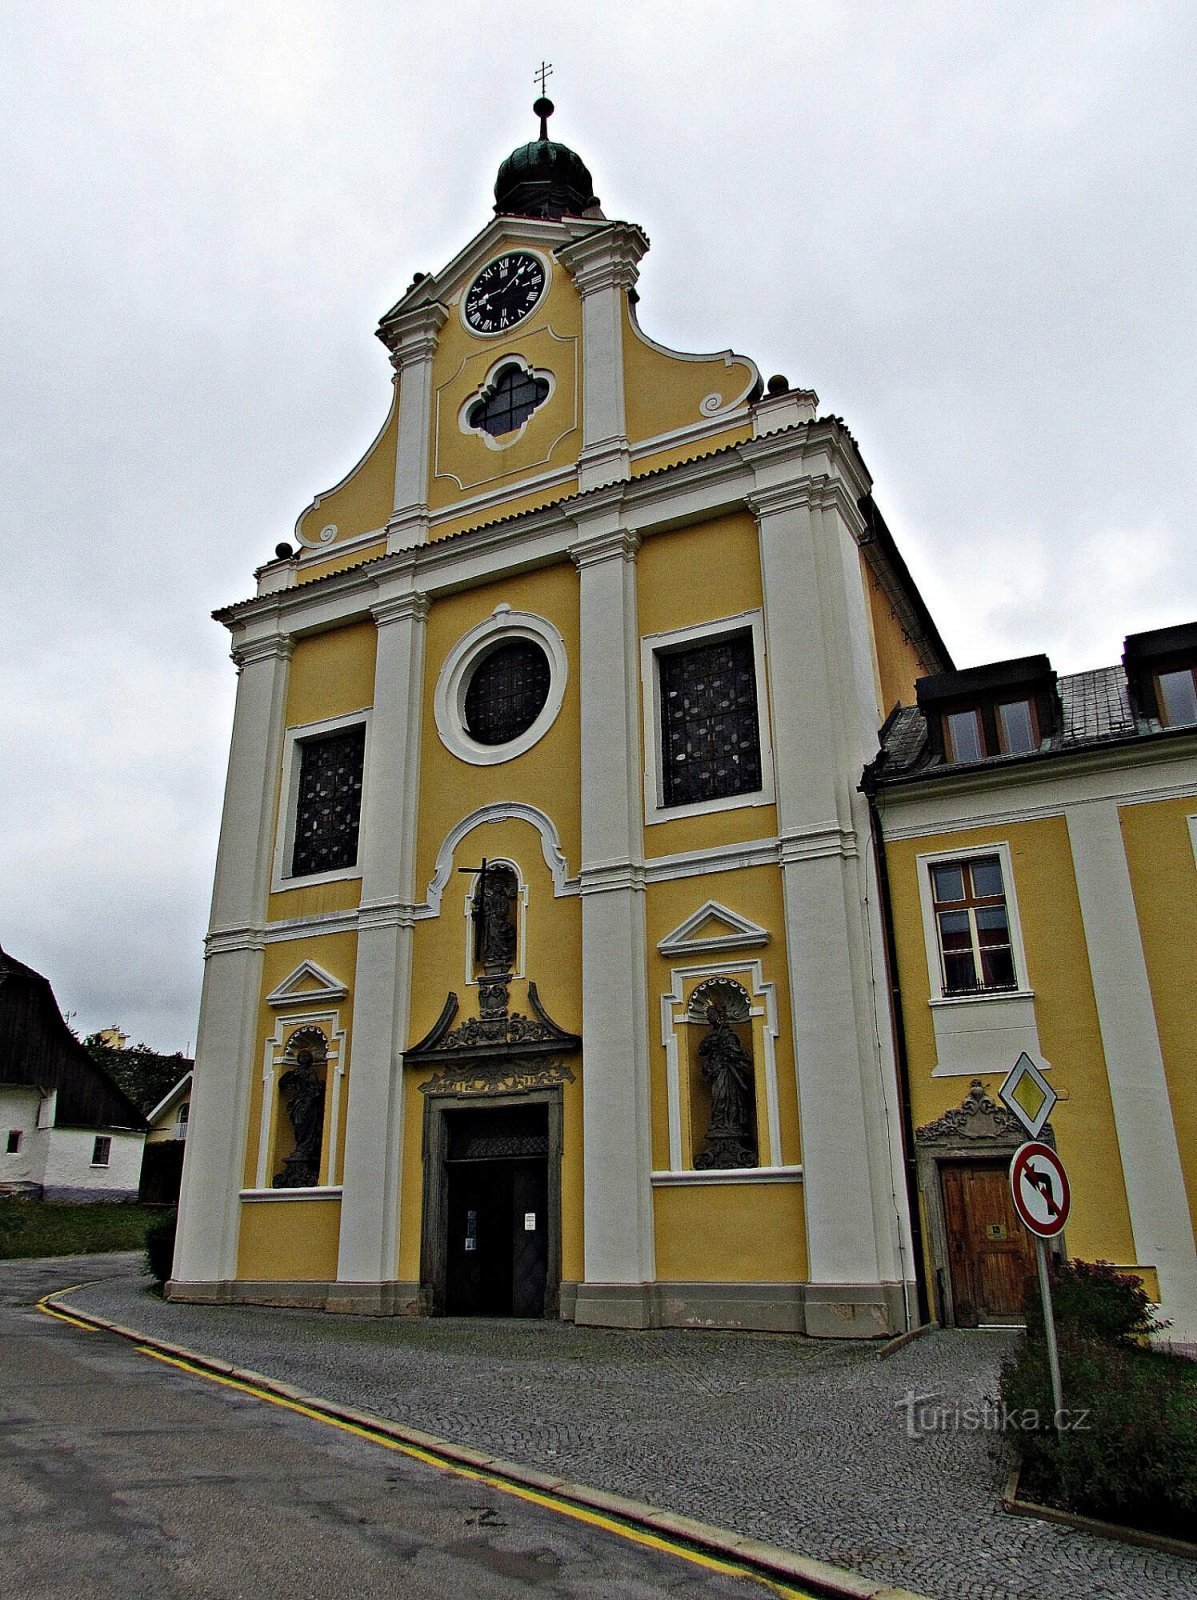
(36, 1228)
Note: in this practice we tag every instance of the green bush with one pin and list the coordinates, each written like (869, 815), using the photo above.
(160, 1247)
(1129, 1453)
(1128, 1449)
(1093, 1300)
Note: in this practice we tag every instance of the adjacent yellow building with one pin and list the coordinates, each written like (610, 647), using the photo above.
(547, 971)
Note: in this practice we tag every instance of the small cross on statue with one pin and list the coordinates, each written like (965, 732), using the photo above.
(543, 72)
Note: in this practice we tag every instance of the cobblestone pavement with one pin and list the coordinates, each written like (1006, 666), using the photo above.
(799, 1442)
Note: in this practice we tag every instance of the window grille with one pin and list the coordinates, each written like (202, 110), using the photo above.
(513, 398)
(709, 726)
(329, 807)
(507, 692)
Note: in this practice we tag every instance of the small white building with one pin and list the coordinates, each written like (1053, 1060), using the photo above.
(67, 1132)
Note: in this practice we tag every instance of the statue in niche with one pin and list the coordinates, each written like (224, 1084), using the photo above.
(727, 1068)
(494, 921)
(302, 1089)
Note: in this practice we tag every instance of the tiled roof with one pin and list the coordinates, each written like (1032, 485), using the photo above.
(1096, 710)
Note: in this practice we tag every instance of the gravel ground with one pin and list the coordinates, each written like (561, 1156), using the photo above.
(803, 1443)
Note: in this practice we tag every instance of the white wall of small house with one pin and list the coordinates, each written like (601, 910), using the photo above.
(18, 1114)
(70, 1175)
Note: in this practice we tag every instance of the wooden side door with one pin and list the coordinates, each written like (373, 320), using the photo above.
(991, 1258)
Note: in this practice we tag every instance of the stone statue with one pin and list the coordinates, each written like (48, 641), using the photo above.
(727, 1068)
(303, 1097)
(494, 929)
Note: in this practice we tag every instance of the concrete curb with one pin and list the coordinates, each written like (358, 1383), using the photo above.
(901, 1340)
(1013, 1503)
(763, 1560)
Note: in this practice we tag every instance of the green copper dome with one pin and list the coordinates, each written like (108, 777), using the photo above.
(543, 178)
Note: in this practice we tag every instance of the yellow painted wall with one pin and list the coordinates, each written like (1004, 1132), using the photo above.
(289, 1241)
(730, 1233)
(337, 954)
(663, 390)
(533, 500)
(310, 571)
(546, 776)
(897, 662)
(753, 892)
(1066, 1015)
(670, 457)
(683, 578)
(1159, 852)
(463, 464)
(332, 674)
(366, 498)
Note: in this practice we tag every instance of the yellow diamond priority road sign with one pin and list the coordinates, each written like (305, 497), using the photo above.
(1027, 1093)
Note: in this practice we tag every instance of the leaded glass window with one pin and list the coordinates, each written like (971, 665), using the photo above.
(709, 728)
(329, 807)
(513, 398)
(507, 692)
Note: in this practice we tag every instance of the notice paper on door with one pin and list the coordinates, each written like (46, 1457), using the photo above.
(529, 1222)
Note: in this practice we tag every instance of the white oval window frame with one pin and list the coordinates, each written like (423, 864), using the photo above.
(448, 703)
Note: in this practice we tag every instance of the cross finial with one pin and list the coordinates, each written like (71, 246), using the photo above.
(543, 72)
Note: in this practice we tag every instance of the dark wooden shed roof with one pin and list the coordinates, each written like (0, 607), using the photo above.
(39, 1051)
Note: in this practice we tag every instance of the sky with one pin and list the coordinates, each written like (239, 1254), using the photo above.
(969, 228)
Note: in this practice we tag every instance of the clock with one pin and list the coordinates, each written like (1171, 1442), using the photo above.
(506, 291)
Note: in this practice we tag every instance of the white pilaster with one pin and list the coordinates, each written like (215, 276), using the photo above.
(382, 985)
(1151, 1169)
(226, 1046)
(604, 265)
(824, 718)
(412, 339)
(619, 1249)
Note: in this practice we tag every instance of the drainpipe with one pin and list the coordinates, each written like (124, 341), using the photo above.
(868, 787)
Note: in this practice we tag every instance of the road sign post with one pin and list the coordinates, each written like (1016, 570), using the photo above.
(1041, 1195)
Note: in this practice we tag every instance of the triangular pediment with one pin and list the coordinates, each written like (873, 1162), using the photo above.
(498, 232)
(307, 983)
(713, 927)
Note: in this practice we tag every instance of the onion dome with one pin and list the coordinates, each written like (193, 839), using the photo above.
(544, 179)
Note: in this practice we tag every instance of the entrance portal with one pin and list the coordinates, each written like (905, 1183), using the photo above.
(494, 1241)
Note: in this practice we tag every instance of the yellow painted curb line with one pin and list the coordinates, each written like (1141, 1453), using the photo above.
(716, 1549)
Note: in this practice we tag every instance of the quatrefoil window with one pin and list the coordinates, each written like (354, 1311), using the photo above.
(508, 400)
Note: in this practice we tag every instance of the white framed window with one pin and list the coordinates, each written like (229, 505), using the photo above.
(498, 412)
(706, 719)
(101, 1150)
(501, 687)
(971, 925)
(324, 765)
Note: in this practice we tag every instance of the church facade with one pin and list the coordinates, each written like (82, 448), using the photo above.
(549, 967)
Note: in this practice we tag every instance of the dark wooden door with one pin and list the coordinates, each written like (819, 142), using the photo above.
(497, 1249)
(991, 1258)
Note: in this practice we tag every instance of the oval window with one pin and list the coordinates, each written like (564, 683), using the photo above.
(507, 692)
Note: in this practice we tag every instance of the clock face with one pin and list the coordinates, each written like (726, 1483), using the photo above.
(504, 292)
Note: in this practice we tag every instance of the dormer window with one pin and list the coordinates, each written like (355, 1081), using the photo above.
(1006, 709)
(1178, 697)
(1161, 675)
(1006, 729)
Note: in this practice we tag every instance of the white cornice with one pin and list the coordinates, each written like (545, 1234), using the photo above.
(401, 608)
(1131, 774)
(817, 843)
(617, 544)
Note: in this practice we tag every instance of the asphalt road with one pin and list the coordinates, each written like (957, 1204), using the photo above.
(122, 1476)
